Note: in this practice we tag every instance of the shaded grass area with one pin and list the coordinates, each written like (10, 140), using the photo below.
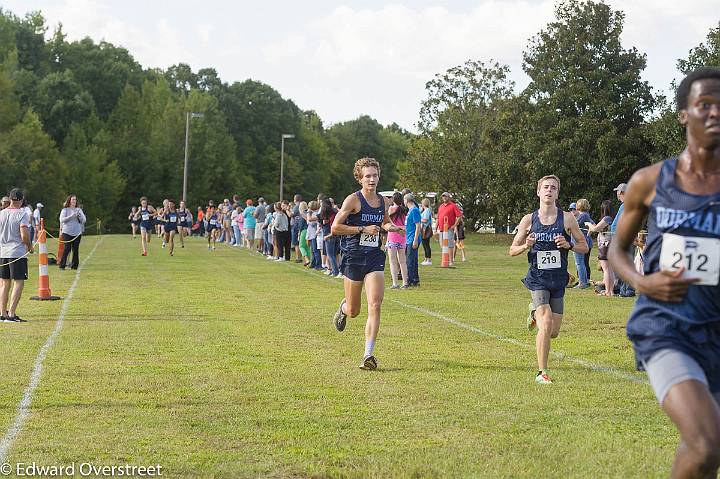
(223, 364)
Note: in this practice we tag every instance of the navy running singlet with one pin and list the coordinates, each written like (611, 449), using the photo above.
(145, 218)
(212, 221)
(171, 220)
(364, 243)
(548, 263)
(683, 230)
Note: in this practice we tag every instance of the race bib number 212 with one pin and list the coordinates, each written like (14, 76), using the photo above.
(699, 256)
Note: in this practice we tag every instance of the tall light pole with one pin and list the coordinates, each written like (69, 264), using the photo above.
(282, 160)
(188, 116)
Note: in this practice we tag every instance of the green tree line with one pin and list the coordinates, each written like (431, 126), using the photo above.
(586, 116)
(85, 118)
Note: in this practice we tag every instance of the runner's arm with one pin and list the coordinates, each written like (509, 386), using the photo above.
(640, 187)
(339, 228)
(580, 245)
(662, 285)
(522, 241)
(388, 225)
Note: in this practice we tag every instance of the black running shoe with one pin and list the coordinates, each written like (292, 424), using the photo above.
(17, 319)
(5, 319)
(369, 363)
(340, 318)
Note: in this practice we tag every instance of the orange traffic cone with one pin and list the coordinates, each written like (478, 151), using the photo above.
(43, 280)
(445, 243)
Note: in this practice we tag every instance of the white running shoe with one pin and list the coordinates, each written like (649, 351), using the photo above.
(369, 363)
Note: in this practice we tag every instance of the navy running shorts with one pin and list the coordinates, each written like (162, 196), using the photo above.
(701, 342)
(356, 267)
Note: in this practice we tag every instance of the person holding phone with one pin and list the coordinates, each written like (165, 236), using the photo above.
(73, 221)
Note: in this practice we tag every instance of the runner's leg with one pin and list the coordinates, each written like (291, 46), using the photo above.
(696, 415)
(375, 292)
(544, 318)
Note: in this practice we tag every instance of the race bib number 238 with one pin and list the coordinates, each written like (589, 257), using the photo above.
(367, 239)
(699, 256)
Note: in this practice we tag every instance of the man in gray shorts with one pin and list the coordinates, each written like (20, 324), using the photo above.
(546, 236)
(675, 324)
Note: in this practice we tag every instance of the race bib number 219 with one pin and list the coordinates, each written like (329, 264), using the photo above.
(548, 259)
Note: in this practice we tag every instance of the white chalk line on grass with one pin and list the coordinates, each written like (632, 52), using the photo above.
(555, 354)
(23, 411)
(600, 368)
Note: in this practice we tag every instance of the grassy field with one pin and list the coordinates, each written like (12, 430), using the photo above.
(223, 364)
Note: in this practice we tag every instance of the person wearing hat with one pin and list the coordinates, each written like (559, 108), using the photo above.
(37, 215)
(626, 290)
(620, 191)
(15, 243)
(450, 211)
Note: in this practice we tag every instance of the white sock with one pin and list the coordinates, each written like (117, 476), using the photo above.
(369, 347)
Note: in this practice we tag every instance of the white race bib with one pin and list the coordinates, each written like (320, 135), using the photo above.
(699, 256)
(212, 222)
(145, 217)
(548, 259)
(366, 239)
(173, 219)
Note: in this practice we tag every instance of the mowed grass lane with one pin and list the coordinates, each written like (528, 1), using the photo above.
(223, 364)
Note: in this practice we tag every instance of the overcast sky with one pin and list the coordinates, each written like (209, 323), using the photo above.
(344, 59)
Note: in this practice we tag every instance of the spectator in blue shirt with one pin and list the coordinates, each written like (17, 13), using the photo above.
(249, 224)
(626, 290)
(620, 190)
(412, 239)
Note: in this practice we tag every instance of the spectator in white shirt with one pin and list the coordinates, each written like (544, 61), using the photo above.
(72, 220)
